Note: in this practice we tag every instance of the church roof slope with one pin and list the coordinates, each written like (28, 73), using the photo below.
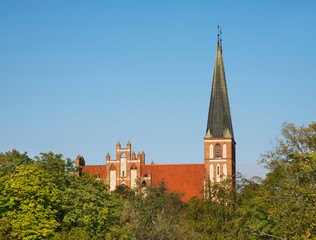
(219, 124)
(94, 169)
(183, 178)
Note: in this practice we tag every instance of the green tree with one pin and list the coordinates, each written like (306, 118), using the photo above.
(285, 205)
(9, 161)
(219, 216)
(88, 206)
(61, 170)
(87, 210)
(154, 213)
(124, 191)
(44, 198)
(29, 204)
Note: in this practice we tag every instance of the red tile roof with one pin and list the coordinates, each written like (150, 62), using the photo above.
(93, 169)
(183, 178)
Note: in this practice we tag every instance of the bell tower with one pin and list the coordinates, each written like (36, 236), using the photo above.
(219, 143)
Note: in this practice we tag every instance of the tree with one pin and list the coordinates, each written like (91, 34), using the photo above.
(87, 210)
(154, 213)
(60, 170)
(219, 215)
(285, 206)
(29, 204)
(124, 191)
(45, 199)
(9, 161)
(88, 206)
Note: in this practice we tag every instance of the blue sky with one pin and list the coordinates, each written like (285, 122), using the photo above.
(78, 76)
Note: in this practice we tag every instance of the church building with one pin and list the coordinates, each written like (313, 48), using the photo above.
(219, 152)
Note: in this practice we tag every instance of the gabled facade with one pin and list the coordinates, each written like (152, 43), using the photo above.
(219, 152)
(127, 167)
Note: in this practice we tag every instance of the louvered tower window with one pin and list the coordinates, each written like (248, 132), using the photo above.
(218, 151)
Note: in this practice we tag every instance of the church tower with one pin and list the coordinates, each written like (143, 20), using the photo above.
(219, 143)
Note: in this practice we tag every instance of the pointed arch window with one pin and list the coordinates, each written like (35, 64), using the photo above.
(123, 164)
(211, 151)
(218, 173)
(112, 177)
(211, 173)
(225, 170)
(133, 175)
(224, 150)
(217, 151)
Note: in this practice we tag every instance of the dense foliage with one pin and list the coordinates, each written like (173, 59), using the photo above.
(42, 198)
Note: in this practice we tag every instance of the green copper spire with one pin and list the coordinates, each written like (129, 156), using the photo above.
(219, 124)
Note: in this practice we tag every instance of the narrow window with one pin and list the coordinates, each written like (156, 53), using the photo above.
(211, 173)
(218, 173)
(224, 150)
(133, 175)
(211, 151)
(112, 177)
(225, 170)
(218, 151)
(123, 164)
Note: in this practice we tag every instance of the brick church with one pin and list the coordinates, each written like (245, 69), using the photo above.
(219, 151)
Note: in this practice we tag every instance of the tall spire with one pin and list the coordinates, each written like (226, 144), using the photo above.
(219, 124)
